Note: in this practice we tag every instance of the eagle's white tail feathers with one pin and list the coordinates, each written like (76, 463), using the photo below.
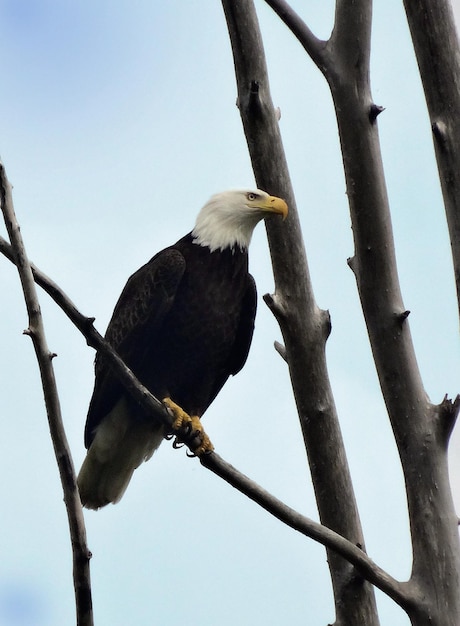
(121, 444)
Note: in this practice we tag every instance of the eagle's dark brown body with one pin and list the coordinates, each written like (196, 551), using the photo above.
(183, 324)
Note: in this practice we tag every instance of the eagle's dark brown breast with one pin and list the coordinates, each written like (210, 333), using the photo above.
(183, 324)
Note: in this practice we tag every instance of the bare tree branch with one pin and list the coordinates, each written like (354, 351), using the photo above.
(352, 33)
(400, 592)
(315, 47)
(212, 461)
(304, 326)
(437, 49)
(81, 554)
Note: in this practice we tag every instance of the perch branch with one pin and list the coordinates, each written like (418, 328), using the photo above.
(212, 461)
(81, 554)
(398, 591)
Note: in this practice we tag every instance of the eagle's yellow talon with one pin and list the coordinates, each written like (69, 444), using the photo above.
(198, 431)
(181, 418)
(195, 426)
(205, 447)
(189, 427)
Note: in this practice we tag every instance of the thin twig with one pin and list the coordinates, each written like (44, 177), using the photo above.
(81, 554)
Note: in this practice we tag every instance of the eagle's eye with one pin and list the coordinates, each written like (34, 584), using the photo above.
(251, 196)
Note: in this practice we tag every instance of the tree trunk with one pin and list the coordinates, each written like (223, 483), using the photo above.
(304, 326)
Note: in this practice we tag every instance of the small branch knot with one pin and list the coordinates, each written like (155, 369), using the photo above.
(255, 103)
(402, 317)
(281, 350)
(448, 412)
(275, 305)
(88, 330)
(254, 87)
(374, 112)
(327, 323)
(440, 132)
(352, 263)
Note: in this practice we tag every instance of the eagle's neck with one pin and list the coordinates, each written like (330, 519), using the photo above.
(219, 228)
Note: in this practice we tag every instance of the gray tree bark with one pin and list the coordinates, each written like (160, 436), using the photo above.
(304, 326)
(437, 49)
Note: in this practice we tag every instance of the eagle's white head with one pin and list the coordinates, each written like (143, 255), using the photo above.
(228, 219)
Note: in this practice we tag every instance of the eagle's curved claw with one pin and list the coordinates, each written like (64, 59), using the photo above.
(188, 429)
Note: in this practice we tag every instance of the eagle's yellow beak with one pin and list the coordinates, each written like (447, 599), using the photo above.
(272, 204)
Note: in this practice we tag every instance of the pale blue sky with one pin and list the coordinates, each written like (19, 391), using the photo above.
(116, 125)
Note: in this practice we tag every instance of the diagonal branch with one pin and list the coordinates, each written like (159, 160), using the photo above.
(309, 528)
(314, 46)
(81, 554)
(348, 44)
(400, 592)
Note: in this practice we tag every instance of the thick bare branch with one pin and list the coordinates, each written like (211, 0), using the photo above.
(351, 36)
(304, 326)
(437, 49)
(81, 554)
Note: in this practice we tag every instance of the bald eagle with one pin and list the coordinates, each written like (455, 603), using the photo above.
(183, 324)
